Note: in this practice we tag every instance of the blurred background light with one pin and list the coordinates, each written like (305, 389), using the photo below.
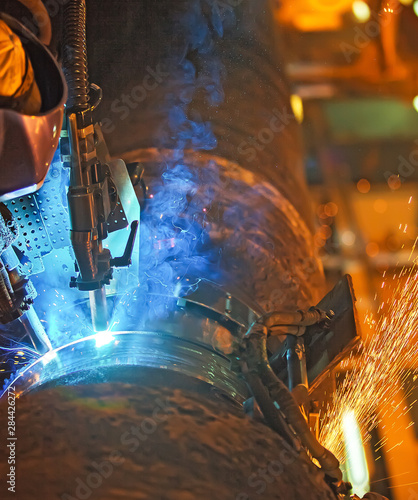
(297, 107)
(331, 209)
(415, 100)
(361, 10)
(372, 249)
(348, 238)
(363, 186)
(380, 206)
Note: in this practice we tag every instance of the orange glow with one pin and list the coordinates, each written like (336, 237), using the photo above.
(313, 15)
(372, 385)
(325, 232)
(363, 186)
(372, 249)
(394, 182)
(331, 209)
(380, 206)
(319, 241)
(222, 340)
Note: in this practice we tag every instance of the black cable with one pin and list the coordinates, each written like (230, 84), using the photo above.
(267, 407)
(75, 56)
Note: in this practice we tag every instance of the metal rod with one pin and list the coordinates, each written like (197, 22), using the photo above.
(296, 362)
(76, 170)
(98, 307)
(36, 331)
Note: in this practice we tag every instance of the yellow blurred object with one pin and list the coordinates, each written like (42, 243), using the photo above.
(18, 89)
(297, 107)
(361, 10)
(313, 15)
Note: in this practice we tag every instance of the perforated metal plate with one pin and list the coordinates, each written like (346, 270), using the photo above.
(42, 220)
(117, 219)
(33, 239)
(50, 199)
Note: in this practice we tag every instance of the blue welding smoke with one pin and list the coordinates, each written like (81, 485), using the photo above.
(176, 250)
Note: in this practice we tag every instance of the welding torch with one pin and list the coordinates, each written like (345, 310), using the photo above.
(93, 193)
(92, 199)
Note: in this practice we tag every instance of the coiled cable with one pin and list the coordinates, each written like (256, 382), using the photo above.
(75, 56)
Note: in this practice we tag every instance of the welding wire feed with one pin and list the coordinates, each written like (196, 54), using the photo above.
(98, 308)
(36, 331)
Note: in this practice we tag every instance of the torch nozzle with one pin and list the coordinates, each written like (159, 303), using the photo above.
(98, 308)
(36, 331)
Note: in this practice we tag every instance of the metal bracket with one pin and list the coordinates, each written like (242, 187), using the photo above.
(214, 301)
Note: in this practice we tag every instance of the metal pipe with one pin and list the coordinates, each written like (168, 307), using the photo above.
(250, 196)
(298, 318)
(260, 232)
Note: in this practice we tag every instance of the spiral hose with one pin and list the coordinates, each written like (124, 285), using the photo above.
(75, 56)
